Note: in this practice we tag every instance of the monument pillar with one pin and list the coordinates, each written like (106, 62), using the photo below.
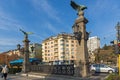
(82, 60)
(26, 63)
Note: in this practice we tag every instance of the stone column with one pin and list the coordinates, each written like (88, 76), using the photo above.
(82, 60)
(26, 64)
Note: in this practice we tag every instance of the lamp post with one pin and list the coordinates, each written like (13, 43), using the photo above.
(32, 49)
(118, 40)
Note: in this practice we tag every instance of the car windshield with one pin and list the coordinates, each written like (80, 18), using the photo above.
(100, 65)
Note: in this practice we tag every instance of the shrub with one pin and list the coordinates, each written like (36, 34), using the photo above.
(113, 77)
(14, 70)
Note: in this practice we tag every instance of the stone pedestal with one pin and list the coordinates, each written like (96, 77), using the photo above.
(82, 60)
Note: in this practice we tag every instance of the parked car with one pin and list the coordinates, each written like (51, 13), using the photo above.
(102, 68)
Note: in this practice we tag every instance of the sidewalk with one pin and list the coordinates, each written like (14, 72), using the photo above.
(56, 77)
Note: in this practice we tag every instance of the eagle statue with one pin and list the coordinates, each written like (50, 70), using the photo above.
(77, 7)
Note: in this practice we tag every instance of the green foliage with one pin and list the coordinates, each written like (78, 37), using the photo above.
(14, 70)
(113, 77)
(107, 47)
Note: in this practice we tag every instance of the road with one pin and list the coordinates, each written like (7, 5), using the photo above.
(16, 77)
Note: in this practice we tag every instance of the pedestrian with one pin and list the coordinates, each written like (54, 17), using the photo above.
(5, 72)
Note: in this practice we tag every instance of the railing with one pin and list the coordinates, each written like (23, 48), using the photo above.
(54, 69)
(63, 69)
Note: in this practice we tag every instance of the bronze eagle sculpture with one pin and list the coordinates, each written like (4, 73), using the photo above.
(77, 7)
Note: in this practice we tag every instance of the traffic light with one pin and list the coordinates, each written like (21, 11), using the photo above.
(116, 49)
(112, 42)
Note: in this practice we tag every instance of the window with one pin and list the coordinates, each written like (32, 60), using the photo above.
(72, 45)
(67, 49)
(61, 40)
(67, 45)
(67, 52)
(62, 56)
(67, 41)
(48, 54)
(51, 46)
(72, 52)
(72, 49)
(72, 41)
(62, 44)
(51, 42)
(62, 48)
(45, 58)
(72, 56)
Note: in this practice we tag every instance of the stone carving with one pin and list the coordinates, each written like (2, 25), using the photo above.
(77, 7)
(25, 33)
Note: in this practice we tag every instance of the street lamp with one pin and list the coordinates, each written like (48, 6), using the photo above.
(33, 51)
(77, 33)
(18, 46)
(32, 48)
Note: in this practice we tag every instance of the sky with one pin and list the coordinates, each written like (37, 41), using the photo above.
(47, 18)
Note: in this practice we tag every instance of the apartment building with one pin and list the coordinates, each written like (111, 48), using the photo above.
(60, 49)
(93, 44)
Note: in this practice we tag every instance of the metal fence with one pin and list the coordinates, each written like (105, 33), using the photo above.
(63, 69)
(54, 69)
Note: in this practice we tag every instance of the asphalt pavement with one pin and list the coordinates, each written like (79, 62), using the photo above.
(34, 77)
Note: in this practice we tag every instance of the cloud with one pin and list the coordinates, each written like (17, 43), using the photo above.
(8, 41)
(8, 44)
(47, 8)
(51, 28)
(7, 22)
(8, 25)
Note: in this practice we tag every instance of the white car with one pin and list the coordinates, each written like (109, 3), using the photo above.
(101, 68)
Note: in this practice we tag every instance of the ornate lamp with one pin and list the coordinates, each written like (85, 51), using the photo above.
(32, 48)
(77, 34)
(18, 46)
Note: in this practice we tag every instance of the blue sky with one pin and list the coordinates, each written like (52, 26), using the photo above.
(47, 18)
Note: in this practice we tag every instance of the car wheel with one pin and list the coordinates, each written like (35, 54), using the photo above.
(110, 71)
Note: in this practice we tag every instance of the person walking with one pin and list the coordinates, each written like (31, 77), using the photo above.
(5, 72)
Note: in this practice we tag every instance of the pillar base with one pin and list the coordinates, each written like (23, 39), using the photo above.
(81, 69)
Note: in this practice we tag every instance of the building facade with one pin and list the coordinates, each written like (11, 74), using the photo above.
(60, 49)
(8, 56)
(35, 50)
(93, 44)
